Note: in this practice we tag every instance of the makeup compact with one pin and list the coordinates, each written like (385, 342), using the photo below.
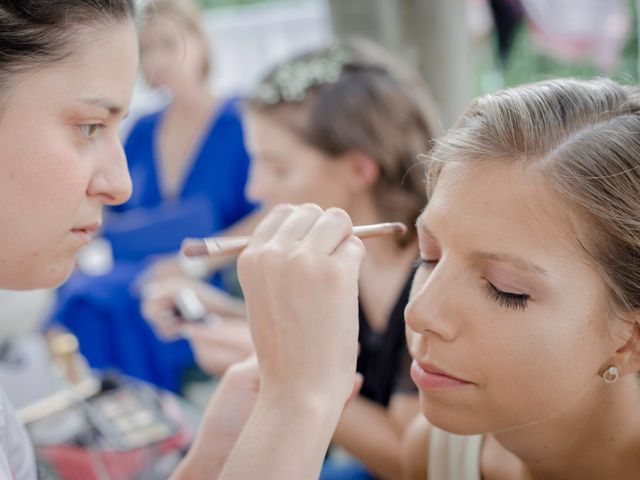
(130, 417)
(125, 417)
(103, 427)
(129, 429)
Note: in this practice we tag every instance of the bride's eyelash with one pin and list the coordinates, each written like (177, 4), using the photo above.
(516, 301)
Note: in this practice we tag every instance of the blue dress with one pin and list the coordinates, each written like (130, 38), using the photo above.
(104, 311)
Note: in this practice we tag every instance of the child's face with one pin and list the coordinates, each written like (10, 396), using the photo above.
(61, 158)
(170, 55)
(286, 170)
(507, 302)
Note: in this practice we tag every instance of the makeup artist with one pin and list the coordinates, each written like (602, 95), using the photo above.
(67, 71)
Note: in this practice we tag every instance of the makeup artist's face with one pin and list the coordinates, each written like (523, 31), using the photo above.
(61, 158)
(284, 169)
(505, 301)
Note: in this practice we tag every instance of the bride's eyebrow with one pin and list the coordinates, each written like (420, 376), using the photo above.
(518, 262)
(514, 260)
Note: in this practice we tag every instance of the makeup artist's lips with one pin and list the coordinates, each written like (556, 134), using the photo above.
(86, 232)
(427, 377)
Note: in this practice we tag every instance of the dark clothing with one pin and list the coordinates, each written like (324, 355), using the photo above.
(507, 17)
(384, 358)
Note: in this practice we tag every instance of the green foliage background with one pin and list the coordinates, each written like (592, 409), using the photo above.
(228, 3)
(525, 64)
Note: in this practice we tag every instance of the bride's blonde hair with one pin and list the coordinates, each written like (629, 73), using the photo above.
(584, 138)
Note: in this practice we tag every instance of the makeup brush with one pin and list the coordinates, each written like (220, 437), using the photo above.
(221, 246)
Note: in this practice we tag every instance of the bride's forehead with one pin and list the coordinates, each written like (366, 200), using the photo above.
(499, 197)
(486, 180)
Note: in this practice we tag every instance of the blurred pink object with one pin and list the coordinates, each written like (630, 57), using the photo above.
(575, 30)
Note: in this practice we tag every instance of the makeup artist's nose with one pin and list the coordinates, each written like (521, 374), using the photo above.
(111, 181)
(432, 308)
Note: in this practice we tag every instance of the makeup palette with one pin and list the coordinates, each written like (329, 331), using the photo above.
(125, 417)
(130, 417)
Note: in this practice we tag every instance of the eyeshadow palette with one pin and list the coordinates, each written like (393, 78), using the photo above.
(123, 417)
(130, 417)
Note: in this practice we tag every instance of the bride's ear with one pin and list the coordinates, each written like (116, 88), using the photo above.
(627, 357)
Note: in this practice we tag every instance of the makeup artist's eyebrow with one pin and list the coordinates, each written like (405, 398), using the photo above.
(113, 108)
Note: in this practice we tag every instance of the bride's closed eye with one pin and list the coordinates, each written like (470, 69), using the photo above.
(516, 301)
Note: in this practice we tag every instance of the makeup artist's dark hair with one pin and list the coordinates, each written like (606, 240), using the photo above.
(38, 32)
(354, 95)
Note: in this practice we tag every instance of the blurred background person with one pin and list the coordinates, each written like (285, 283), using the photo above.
(341, 127)
(189, 167)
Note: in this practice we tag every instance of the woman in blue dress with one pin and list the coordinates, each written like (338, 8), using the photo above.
(189, 168)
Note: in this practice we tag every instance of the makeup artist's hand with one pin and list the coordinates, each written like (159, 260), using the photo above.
(299, 275)
(224, 419)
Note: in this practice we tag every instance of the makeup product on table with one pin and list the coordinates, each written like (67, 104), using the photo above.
(127, 430)
(130, 417)
(220, 246)
(188, 306)
(125, 417)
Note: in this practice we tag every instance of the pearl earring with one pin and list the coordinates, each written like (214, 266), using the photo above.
(611, 374)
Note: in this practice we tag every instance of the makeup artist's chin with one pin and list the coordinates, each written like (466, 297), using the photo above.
(49, 274)
(63, 263)
(59, 274)
(62, 269)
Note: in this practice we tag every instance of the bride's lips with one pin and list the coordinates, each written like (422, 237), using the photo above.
(427, 376)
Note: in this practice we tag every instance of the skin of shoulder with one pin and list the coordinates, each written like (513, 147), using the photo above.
(415, 448)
